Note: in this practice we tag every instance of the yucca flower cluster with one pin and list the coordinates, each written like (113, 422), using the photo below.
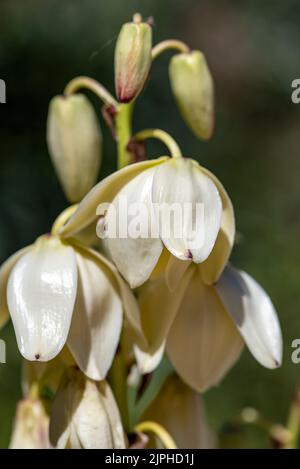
(93, 314)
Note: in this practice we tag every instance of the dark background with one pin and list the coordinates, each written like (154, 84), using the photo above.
(253, 49)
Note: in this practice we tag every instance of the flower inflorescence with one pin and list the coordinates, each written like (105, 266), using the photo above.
(88, 311)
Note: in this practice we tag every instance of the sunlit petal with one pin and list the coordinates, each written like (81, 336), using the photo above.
(113, 415)
(254, 315)
(131, 244)
(182, 189)
(129, 302)
(41, 293)
(214, 265)
(97, 419)
(5, 271)
(97, 319)
(104, 191)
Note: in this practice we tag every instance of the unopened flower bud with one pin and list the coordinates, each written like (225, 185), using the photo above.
(192, 85)
(74, 141)
(31, 426)
(132, 60)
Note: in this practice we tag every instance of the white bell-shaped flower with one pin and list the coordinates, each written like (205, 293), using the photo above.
(85, 415)
(41, 293)
(203, 327)
(159, 186)
(61, 293)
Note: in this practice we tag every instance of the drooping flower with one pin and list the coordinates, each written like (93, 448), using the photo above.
(85, 415)
(57, 293)
(180, 410)
(156, 184)
(203, 327)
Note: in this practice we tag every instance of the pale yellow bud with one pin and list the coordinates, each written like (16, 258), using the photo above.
(193, 88)
(74, 141)
(31, 426)
(132, 60)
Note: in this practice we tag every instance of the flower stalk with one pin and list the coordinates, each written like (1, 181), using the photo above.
(169, 44)
(90, 84)
(163, 136)
(118, 383)
(123, 119)
(293, 423)
(158, 431)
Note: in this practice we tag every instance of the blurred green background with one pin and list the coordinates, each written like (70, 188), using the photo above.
(253, 49)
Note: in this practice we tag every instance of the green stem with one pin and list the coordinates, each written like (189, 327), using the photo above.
(34, 391)
(118, 371)
(124, 131)
(118, 382)
(293, 423)
(168, 45)
(163, 137)
(93, 85)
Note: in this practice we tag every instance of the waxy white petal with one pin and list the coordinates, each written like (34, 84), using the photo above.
(158, 309)
(97, 318)
(129, 302)
(97, 419)
(181, 182)
(254, 315)
(5, 271)
(113, 414)
(104, 191)
(148, 360)
(203, 343)
(41, 293)
(213, 266)
(133, 249)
